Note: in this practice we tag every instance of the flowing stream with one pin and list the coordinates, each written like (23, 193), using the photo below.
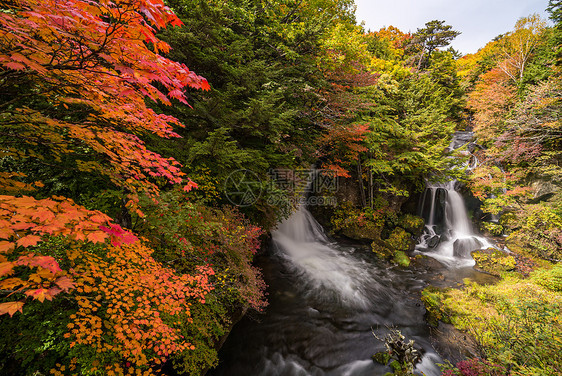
(324, 299)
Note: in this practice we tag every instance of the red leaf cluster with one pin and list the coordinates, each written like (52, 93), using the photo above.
(102, 56)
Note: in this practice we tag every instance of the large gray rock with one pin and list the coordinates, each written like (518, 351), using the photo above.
(543, 188)
(463, 247)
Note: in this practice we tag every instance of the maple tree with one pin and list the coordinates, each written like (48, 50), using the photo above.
(75, 76)
(130, 308)
(24, 221)
(490, 100)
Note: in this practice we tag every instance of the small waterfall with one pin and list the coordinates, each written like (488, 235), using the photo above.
(325, 271)
(448, 235)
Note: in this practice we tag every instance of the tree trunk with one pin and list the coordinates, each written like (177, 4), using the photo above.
(360, 178)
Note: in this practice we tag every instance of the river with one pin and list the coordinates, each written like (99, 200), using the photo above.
(324, 299)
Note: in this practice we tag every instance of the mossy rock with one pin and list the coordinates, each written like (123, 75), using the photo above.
(401, 259)
(411, 223)
(432, 298)
(381, 250)
(492, 228)
(394, 248)
(399, 240)
(361, 231)
(353, 223)
(493, 261)
(382, 357)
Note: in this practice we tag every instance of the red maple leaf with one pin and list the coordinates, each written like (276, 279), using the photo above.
(40, 294)
(190, 185)
(45, 262)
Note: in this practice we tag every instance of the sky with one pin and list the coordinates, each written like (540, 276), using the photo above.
(479, 21)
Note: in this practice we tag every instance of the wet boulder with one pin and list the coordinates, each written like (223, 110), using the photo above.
(433, 241)
(462, 247)
(493, 261)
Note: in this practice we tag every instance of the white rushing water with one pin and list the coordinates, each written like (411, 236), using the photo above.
(324, 270)
(449, 235)
(329, 275)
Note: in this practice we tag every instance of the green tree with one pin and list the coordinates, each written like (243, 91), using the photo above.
(434, 35)
(555, 10)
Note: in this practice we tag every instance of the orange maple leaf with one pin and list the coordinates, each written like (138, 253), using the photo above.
(10, 308)
(40, 294)
(6, 233)
(97, 236)
(22, 226)
(65, 283)
(6, 268)
(99, 218)
(6, 246)
(28, 241)
(10, 283)
(43, 215)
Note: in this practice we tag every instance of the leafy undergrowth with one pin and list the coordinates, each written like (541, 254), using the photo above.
(80, 295)
(473, 367)
(516, 322)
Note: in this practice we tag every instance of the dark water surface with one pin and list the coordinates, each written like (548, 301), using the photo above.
(324, 299)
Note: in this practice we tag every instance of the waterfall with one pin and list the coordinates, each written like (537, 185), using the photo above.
(324, 270)
(339, 296)
(448, 235)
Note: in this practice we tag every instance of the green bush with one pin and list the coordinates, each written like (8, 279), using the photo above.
(539, 230)
(550, 279)
(493, 228)
(356, 223)
(432, 298)
(515, 322)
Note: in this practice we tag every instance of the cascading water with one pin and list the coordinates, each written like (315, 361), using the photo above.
(448, 234)
(324, 271)
(324, 299)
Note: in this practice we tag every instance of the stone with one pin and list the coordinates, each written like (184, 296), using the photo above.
(433, 241)
(493, 261)
(462, 247)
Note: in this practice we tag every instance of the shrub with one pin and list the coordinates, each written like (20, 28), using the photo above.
(550, 279)
(474, 367)
(539, 230)
(516, 323)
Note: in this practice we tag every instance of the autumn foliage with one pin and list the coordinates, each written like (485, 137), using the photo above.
(130, 308)
(94, 63)
(24, 221)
